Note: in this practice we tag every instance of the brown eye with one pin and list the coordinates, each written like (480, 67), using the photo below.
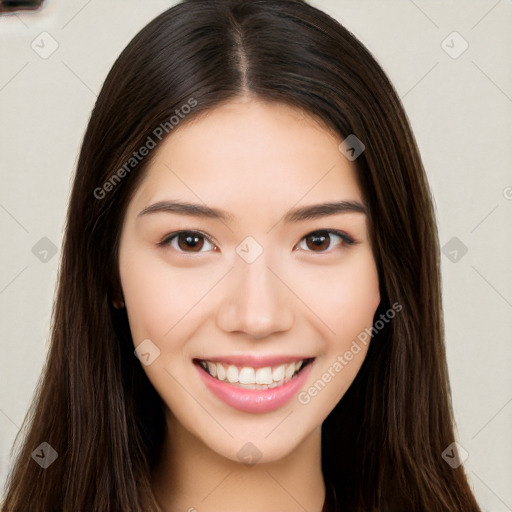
(320, 241)
(188, 241)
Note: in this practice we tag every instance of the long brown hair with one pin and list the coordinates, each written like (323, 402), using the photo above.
(382, 444)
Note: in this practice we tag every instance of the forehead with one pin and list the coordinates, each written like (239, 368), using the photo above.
(248, 156)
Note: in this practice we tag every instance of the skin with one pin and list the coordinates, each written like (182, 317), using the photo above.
(257, 161)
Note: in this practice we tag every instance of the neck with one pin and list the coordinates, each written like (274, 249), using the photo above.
(190, 477)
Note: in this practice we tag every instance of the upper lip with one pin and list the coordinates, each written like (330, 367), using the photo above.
(255, 361)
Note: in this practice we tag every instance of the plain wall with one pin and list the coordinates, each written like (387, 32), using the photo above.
(460, 108)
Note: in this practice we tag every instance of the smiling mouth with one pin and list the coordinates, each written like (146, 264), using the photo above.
(248, 377)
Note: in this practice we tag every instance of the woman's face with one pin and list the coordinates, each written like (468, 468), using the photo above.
(248, 320)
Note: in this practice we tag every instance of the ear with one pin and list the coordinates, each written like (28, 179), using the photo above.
(115, 293)
(118, 303)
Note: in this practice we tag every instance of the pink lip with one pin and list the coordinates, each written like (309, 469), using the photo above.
(255, 361)
(254, 400)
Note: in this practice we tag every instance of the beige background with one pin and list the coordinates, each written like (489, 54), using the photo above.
(461, 112)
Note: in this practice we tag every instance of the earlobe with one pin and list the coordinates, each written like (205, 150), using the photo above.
(115, 294)
(118, 304)
(116, 299)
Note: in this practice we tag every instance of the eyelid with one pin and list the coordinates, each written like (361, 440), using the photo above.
(167, 239)
(345, 237)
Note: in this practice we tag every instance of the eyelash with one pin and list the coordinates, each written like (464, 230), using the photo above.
(345, 239)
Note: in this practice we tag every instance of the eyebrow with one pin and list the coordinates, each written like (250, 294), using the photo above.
(294, 215)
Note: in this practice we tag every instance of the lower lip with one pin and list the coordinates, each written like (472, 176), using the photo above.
(255, 400)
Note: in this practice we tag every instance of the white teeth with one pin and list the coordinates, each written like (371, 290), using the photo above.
(264, 375)
(278, 373)
(232, 373)
(221, 372)
(251, 378)
(247, 375)
(212, 368)
(290, 370)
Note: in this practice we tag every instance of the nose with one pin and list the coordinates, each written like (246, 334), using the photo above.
(257, 303)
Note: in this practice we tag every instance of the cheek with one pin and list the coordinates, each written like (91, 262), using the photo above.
(144, 294)
(359, 295)
(346, 303)
(161, 303)
(157, 298)
(346, 298)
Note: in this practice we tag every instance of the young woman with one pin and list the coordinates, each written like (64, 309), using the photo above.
(248, 312)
